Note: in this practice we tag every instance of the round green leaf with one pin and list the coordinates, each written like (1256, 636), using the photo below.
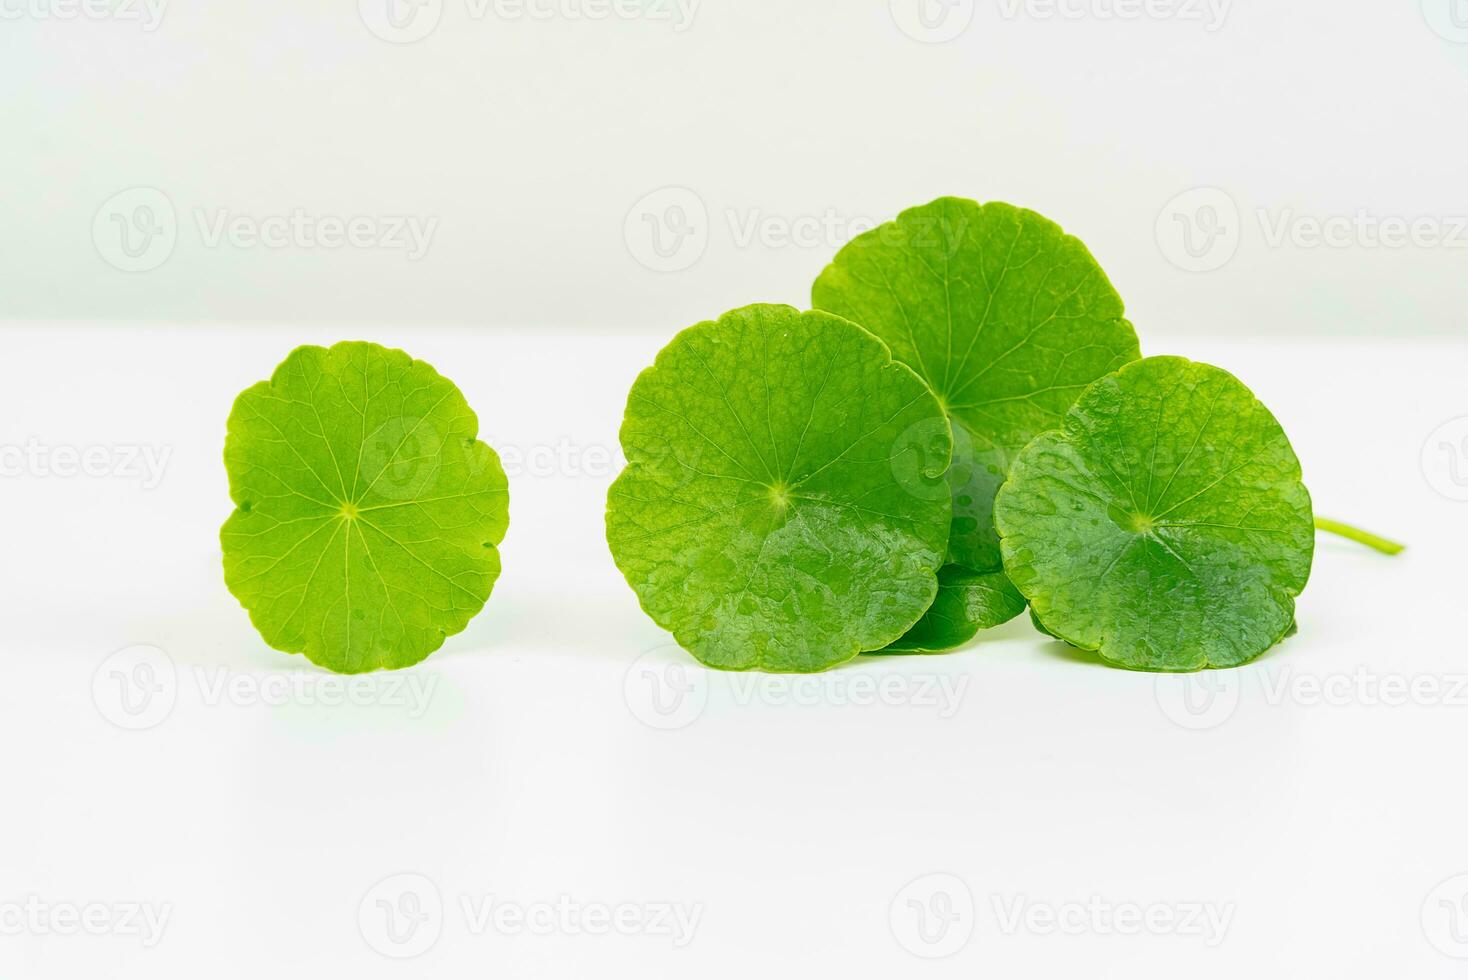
(783, 508)
(367, 514)
(967, 602)
(1165, 525)
(1005, 316)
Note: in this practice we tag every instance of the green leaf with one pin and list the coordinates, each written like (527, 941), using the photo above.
(968, 601)
(1039, 626)
(367, 514)
(783, 508)
(1165, 525)
(1005, 316)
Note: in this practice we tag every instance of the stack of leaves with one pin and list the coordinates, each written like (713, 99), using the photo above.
(963, 427)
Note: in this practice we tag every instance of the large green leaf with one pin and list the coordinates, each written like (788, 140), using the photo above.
(967, 602)
(367, 514)
(1005, 316)
(783, 507)
(1165, 525)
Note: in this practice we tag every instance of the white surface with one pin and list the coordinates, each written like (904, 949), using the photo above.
(1320, 829)
(532, 142)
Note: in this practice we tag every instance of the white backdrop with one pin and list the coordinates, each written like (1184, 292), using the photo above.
(524, 136)
(533, 199)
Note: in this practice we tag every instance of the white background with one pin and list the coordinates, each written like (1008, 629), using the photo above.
(1314, 799)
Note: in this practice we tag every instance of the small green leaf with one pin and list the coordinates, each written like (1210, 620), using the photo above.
(1005, 316)
(968, 601)
(367, 516)
(1165, 525)
(783, 508)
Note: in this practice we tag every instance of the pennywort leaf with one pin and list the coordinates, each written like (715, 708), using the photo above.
(1165, 524)
(783, 508)
(967, 602)
(1003, 314)
(367, 514)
